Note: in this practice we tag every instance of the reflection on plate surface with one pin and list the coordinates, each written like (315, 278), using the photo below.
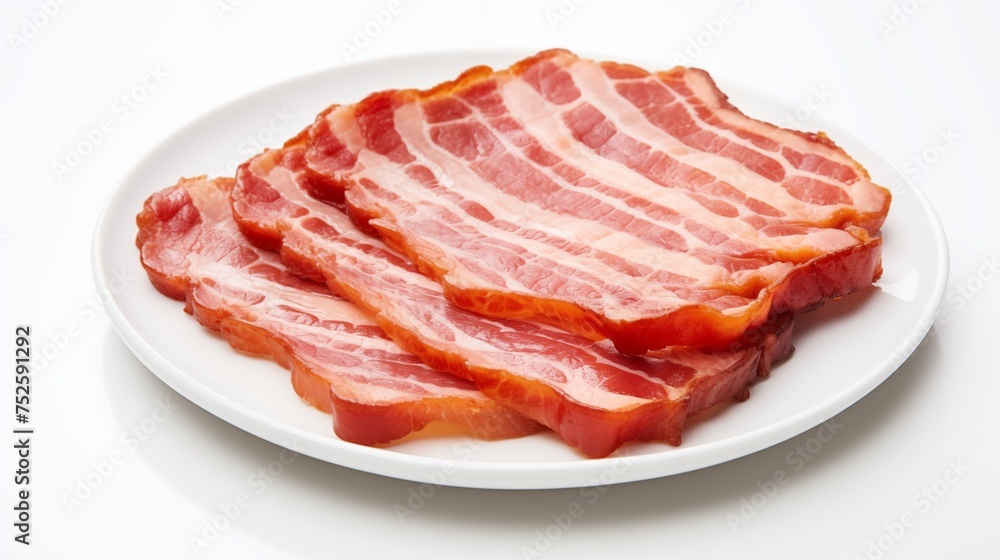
(880, 326)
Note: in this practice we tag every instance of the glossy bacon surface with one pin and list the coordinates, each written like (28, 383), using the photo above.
(594, 397)
(341, 360)
(604, 199)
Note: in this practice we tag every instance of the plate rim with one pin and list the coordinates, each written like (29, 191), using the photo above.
(549, 475)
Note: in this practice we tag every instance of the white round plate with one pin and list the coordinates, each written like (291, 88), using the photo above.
(843, 351)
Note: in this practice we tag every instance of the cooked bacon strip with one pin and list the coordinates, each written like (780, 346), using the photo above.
(603, 199)
(595, 398)
(341, 360)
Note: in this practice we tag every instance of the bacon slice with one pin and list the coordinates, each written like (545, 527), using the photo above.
(595, 398)
(341, 361)
(603, 199)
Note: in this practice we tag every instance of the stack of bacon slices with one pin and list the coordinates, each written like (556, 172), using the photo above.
(581, 246)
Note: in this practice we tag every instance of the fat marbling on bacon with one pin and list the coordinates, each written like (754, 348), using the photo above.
(341, 360)
(592, 396)
(604, 199)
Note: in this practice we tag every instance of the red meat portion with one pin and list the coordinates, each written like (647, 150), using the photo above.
(341, 360)
(604, 199)
(594, 397)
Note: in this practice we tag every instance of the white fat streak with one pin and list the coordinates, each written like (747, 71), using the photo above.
(323, 306)
(214, 206)
(482, 354)
(284, 181)
(538, 119)
(603, 95)
(327, 308)
(597, 90)
(455, 174)
(393, 181)
(581, 385)
(860, 191)
(556, 138)
(478, 353)
(544, 123)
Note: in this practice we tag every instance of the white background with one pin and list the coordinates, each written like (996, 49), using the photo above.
(911, 80)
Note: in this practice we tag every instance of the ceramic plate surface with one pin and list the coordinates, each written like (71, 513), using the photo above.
(843, 351)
